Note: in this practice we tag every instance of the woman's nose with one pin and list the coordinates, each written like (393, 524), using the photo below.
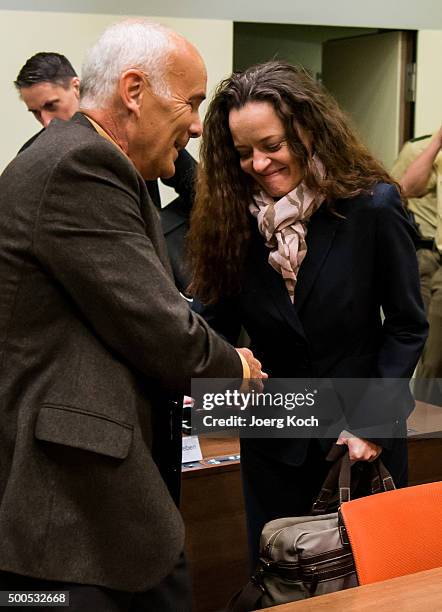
(260, 162)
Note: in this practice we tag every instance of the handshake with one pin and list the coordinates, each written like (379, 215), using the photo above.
(255, 373)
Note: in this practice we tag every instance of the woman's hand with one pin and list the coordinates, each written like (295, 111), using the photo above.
(358, 448)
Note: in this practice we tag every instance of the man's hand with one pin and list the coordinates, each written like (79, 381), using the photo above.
(256, 374)
(358, 448)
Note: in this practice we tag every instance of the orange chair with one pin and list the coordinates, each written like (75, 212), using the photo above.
(395, 533)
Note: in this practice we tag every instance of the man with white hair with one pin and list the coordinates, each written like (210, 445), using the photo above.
(97, 345)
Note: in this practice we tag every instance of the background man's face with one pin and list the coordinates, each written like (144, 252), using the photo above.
(48, 100)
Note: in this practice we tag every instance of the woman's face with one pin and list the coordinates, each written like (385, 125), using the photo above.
(259, 137)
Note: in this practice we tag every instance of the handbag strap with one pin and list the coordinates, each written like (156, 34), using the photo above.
(336, 452)
(344, 479)
(247, 599)
(381, 479)
(339, 478)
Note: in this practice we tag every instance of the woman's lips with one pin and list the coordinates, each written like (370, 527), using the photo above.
(274, 173)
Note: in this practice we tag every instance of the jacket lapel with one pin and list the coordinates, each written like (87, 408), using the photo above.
(320, 234)
(272, 282)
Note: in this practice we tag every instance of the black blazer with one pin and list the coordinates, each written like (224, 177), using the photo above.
(355, 264)
(95, 341)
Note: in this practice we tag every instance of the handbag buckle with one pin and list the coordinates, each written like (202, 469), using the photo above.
(343, 534)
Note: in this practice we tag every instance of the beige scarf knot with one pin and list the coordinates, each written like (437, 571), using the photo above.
(283, 223)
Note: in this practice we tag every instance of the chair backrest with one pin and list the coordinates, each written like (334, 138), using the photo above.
(395, 533)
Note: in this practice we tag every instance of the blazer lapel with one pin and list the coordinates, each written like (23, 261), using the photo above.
(272, 281)
(320, 234)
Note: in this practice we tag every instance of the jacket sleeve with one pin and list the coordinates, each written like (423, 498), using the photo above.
(91, 237)
(388, 401)
(405, 326)
(222, 317)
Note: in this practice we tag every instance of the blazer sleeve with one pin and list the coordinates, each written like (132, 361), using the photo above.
(222, 317)
(91, 237)
(388, 400)
(405, 326)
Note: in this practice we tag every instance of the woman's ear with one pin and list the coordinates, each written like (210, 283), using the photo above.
(132, 86)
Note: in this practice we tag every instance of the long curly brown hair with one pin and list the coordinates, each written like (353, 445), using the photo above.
(220, 222)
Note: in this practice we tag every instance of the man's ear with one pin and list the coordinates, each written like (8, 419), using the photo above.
(132, 86)
(75, 83)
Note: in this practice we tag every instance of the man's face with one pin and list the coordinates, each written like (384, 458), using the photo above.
(48, 100)
(165, 125)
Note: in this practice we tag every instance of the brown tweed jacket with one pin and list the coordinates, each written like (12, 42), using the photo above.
(92, 333)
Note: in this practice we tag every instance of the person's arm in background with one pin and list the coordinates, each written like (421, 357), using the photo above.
(415, 178)
(183, 181)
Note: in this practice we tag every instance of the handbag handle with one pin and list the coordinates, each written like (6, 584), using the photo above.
(329, 486)
(381, 479)
(339, 478)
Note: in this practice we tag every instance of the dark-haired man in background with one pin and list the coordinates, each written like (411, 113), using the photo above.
(50, 87)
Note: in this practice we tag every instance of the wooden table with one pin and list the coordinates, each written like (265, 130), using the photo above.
(425, 421)
(213, 511)
(420, 592)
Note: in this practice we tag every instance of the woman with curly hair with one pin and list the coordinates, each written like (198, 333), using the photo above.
(299, 235)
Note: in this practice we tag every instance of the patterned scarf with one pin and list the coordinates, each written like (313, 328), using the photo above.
(283, 223)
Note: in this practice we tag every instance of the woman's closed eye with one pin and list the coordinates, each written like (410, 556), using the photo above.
(243, 154)
(267, 148)
(271, 148)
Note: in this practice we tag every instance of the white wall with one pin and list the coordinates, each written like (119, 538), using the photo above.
(24, 33)
(428, 114)
(408, 14)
